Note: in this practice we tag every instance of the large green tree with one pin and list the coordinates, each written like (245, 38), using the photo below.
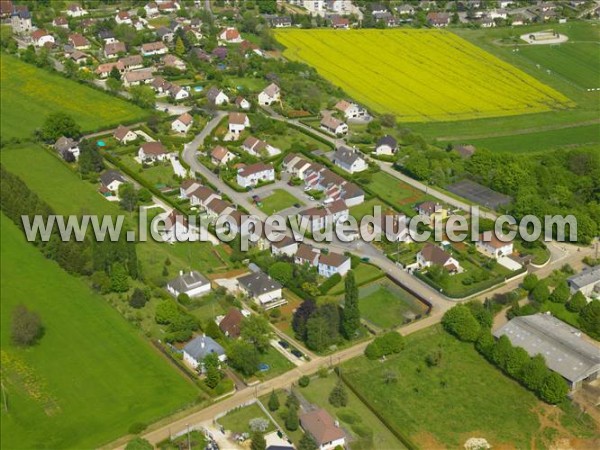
(257, 331)
(59, 124)
(351, 312)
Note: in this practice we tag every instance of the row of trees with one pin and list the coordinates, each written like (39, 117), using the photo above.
(514, 361)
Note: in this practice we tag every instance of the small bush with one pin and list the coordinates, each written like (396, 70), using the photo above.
(304, 381)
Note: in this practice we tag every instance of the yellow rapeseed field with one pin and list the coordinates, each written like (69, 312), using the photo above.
(420, 75)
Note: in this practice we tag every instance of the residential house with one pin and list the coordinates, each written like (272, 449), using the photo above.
(192, 283)
(111, 180)
(137, 77)
(183, 123)
(199, 348)
(333, 125)
(238, 122)
(386, 146)
(565, 349)
(221, 156)
(176, 229)
(60, 22)
(123, 17)
(341, 23)
(151, 9)
(216, 207)
(307, 254)
(107, 36)
(349, 159)
(280, 22)
(405, 10)
(104, 70)
(6, 8)
(393, 226)
(154, 48)
(433, 211)
(177, 92)
(432, 255)
(257, 147)
(518, 20)
(41, 37)
(269, 95)
(587, 282)
(331, 263)
(322, 217)
(350, 110)
(132, 62)
(324, 430)
(168, 7)
(286, 246)
(165, 34)
(264, 290)
(124, 135)
(20, 20)
(114, 49)
(152, 151)
(75, 10)
(67, 146)
(173, 62)
(242, 103)
(255, 173)
(79, 42)
(231, 324)
(217, 97)
(493, 247)
(78, 57)
(465, 150)
(438, 19)
(202, 196)
(230, 35)
(187, 187)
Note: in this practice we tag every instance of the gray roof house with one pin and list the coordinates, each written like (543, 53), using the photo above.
(587, 282)
(66, 145)
(111, 176)
(199, 348)
(263, 289)
(192, 283)
(386, 145)
(565, 349)
(349, 159)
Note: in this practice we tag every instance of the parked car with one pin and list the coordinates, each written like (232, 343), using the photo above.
(297, 353)
(297, 205)
(284, 344)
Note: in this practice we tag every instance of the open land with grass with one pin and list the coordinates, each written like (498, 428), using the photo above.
(88, 356)
(276, 201)
(237, 420)
(397, 71)
(29, 94)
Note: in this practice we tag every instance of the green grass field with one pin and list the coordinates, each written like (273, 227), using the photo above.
(278, 364)
(92, 374)
(277, 201)
(540, 141)
(237, 420)
(29, 94)
(443, 406)
(354, 418)
(398, 193)
(387, 306)
(363, 273)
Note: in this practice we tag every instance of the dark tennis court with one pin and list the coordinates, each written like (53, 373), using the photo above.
(479, 194)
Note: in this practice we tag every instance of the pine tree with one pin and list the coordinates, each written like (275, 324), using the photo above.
(273, 402)
(351, 315)
(179, 47)
(258, 442)
(307, 442)
(338, 396)
(118, 278)
(291, 420)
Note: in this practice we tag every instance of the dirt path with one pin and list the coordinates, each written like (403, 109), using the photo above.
(519, 132)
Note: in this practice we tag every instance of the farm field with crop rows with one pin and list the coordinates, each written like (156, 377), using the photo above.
(420, 75)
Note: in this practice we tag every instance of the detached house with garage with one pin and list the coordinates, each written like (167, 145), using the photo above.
(264, 290)
(230, 325)
(432, 255)
(331, 263)
(41, 37)
(349, 159)
(110, 182)
(493, 247)
(183, 123)
(154, 48)
(333, 125)
(79, 42)
(271, 94)
(113, 49)
(238, 122)
(350, 110)
(152, 151)
(192, 283)
(255, 173)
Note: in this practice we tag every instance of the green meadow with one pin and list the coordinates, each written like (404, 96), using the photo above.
(29, 94)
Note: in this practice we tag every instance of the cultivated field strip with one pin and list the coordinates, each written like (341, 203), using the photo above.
(420, 75)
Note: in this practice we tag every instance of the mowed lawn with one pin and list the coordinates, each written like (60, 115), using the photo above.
(277, 200)
(29, 94)
(91, 376)
(443, 406)
(237, 420)
(420, 75)
(544, 140)
(396, 192)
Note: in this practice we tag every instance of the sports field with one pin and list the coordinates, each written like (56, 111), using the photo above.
(91, 376)
(420, 75)
(29, 94)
